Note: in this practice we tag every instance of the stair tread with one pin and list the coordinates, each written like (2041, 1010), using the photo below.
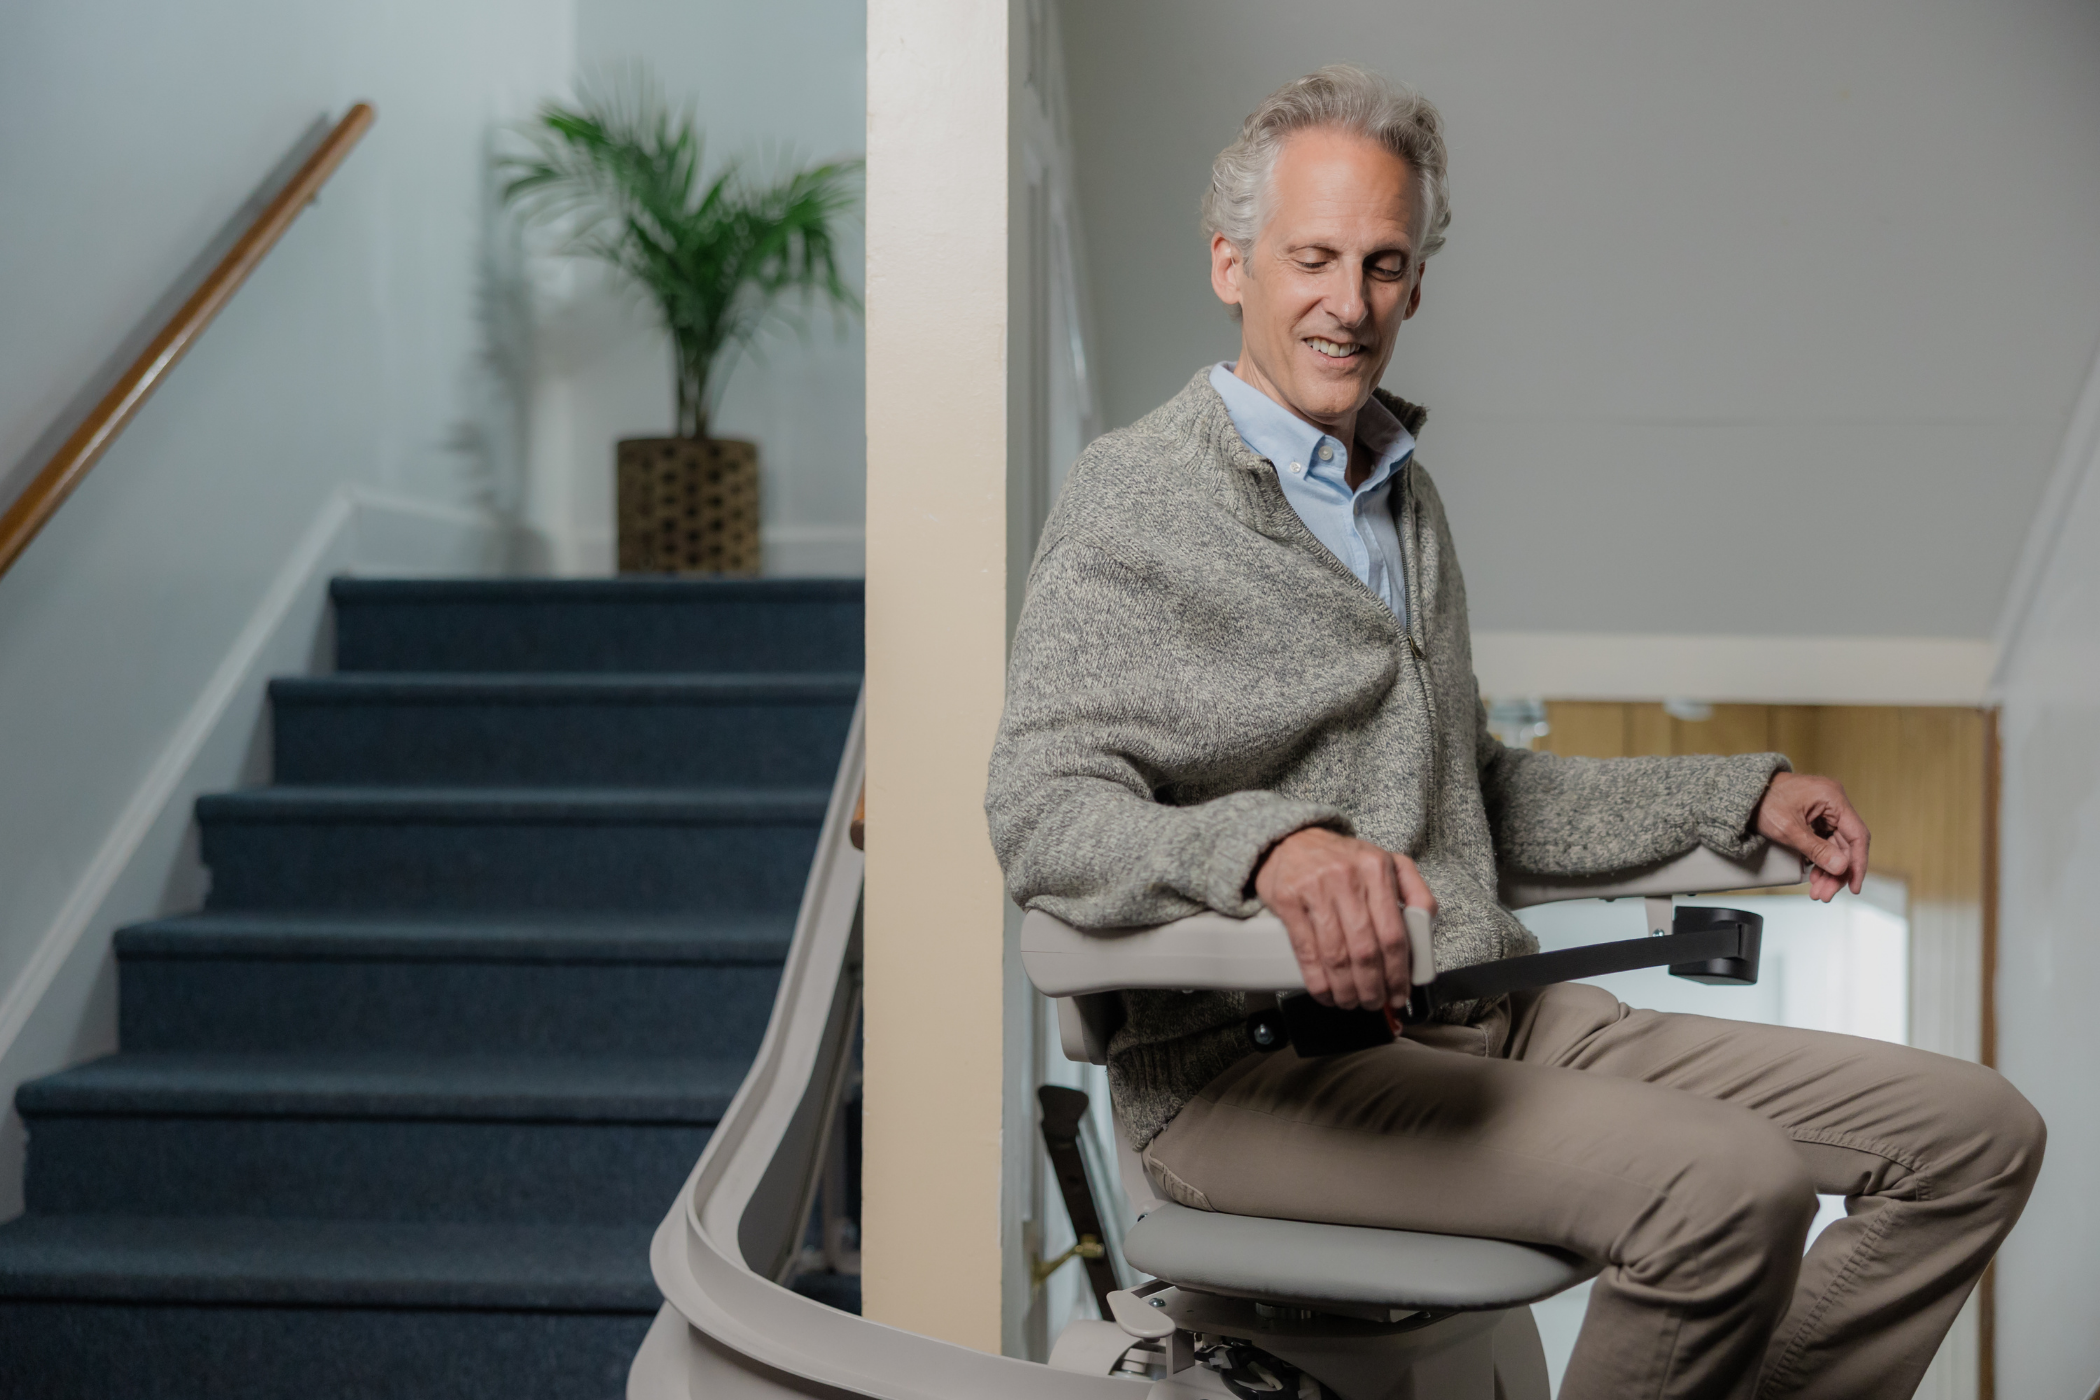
(610, 590)
(390, 1084)
(554, 687)
(207, 1259)
(718, 939)
(327, 803)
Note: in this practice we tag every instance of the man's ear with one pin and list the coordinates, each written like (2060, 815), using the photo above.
(1226, 265)
(1414, 296)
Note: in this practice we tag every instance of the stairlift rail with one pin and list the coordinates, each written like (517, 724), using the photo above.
(728, 1327)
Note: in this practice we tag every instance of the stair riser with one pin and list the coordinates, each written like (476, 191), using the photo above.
(93, 1351)
(498, 867)
(648, 745)
(711, 1012)
(359, 1168)
(668, 634)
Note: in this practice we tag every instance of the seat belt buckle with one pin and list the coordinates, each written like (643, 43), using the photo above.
(1315, 1030)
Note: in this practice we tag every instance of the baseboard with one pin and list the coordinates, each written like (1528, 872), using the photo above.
(61, 1008)
(1750, 670)
(815, 551)
(402, 536)
(788, 551)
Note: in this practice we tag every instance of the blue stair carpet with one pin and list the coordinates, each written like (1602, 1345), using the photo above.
(396, 1114)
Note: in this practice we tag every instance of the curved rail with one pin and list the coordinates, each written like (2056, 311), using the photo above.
(63, 470)
(728, 1326)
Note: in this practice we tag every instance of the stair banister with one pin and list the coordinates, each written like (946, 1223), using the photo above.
(63, 470)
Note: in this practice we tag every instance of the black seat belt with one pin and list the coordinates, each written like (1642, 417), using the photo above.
(1716, 946)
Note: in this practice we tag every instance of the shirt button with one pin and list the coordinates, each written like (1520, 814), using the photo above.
(1326, 453)
(1297, 469)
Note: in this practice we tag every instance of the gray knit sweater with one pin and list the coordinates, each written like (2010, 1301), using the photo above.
(1195, 677)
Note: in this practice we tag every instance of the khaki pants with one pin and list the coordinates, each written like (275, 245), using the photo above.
(1683, 1153)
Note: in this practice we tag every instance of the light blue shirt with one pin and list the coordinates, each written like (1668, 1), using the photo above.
(1312, 467)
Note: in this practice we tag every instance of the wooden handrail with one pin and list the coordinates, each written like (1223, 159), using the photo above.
(48, 489)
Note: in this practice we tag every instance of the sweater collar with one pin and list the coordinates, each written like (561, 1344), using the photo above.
(1202, 410)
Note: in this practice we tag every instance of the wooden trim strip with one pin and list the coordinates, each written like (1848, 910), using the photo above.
(1993, 790)
(55, 480)
(1993, 785)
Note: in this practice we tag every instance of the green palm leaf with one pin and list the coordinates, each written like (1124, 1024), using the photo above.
(720, 256)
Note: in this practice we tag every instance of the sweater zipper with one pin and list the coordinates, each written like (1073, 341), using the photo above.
(1409, 516)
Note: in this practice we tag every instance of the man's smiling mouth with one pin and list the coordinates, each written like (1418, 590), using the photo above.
(1334, 349)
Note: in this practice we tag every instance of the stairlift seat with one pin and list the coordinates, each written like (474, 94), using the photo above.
(1308, 1264)
(1304, 1263)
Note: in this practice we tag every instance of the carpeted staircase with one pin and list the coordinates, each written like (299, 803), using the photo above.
(396, 1114)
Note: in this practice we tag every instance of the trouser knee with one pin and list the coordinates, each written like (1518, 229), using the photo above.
(2004, 1134)
(1739, 1210)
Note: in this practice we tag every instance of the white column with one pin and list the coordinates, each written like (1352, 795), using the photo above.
(937, 610)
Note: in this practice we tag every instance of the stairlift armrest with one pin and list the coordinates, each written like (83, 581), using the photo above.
(1207, 951)
(1697, 871)
(1218, 953)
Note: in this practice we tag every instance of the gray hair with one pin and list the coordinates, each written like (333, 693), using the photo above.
(1340, 96)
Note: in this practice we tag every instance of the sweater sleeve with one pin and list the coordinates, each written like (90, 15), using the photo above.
(1553, 815)
(1107, 703)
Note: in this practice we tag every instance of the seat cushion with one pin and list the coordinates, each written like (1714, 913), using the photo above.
(1295, 1261)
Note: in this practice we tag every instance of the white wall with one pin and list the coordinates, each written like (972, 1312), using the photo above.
(351, 366)
(1753, 320)
(787, 77)
(2049, 930)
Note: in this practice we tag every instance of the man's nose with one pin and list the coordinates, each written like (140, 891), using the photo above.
(1350, 303)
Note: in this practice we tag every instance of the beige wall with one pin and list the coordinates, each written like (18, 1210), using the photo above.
(937, 616)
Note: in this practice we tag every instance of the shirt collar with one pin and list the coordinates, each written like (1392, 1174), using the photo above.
(1270, 430)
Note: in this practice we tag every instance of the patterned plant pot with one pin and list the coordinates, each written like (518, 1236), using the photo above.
(688, 506)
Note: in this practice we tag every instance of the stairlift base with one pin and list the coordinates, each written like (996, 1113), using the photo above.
(1491, 1355)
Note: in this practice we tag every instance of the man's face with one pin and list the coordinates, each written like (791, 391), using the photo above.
(1329, 279)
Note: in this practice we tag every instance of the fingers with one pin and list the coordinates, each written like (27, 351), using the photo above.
(1853, 832)
(1813, 816)
(1383, 898)
(1789, 826)
(1339, 899)
(1336, 955)
(1305, 947)
(1350, 889)
(1414, 890)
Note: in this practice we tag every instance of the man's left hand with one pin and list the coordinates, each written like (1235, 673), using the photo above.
(1813, 816)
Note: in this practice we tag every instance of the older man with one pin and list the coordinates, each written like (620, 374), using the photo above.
(1243, 678)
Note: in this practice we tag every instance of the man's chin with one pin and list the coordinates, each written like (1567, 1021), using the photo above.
(1332, 396)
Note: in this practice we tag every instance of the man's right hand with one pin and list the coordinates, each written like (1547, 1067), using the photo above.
(1340, 900)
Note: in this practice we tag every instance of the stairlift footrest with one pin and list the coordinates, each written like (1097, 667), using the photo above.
(1138, 1317)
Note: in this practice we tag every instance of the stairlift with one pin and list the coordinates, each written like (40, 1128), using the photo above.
(1360, 1313)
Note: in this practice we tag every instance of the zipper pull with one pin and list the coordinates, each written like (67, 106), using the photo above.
(1414, 646)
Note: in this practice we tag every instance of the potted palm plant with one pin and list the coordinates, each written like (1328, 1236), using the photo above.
(723, 257)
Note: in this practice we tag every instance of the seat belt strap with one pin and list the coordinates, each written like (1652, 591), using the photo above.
(1716, 946)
